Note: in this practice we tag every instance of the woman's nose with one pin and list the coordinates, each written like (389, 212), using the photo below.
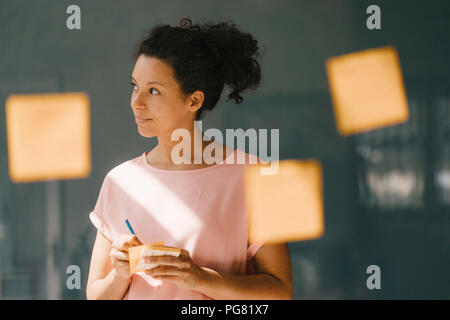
(138, 101)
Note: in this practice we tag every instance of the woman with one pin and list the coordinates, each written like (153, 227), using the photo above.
(196, 206)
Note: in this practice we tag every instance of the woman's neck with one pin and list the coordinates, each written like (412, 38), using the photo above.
(162, 156)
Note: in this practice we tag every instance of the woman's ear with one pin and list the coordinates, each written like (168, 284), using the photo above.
(196, 100)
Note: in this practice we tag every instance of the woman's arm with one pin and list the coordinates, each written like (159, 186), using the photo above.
(105, 281)
(273, 278)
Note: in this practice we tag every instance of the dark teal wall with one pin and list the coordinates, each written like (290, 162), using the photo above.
(39, 54)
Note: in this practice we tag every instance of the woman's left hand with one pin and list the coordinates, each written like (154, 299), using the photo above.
(180, 270)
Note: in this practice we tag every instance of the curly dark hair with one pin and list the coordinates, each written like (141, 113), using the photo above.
(205, 57)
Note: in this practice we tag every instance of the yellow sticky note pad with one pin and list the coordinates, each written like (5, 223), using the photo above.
(48, 136)
(286, 206)
(137, 255)
(367, 90)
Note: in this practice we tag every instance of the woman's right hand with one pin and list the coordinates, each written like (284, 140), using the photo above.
(119, 254)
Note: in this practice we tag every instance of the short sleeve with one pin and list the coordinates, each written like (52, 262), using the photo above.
(97, 216)
(252, 249)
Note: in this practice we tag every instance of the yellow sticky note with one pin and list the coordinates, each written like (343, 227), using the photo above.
(367, 90)
(48, 136)
(137, 255)
(286, 206)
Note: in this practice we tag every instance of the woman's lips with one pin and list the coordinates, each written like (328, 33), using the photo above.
(139, 121)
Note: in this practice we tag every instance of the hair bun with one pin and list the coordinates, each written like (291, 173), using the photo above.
(185, 23)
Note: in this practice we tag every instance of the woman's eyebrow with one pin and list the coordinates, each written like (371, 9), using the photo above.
(150, 82)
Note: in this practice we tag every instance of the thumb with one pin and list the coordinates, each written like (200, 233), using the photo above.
(135, 240)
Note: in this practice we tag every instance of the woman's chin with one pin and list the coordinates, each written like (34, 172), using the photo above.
(146, 134)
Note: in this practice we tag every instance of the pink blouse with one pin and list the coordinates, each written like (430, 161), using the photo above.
(202, 211)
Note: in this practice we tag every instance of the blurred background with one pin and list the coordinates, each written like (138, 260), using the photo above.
(386, 192)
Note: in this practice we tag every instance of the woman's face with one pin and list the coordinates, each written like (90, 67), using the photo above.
(157, 96)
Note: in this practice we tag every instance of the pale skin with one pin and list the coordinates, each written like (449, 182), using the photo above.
(168, 109)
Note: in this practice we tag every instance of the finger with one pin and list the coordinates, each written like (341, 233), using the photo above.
(122, 264)
(119, 255)
(131, 242)
(124, 238)
(167, 260)
(164, 270)
(118, 243)
(135, 240)
(183, 252)
(169, 278)
(127, 244)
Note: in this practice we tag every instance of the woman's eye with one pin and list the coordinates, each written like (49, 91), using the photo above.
(134, 88)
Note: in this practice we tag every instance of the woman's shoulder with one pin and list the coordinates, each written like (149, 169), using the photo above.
(124, 166)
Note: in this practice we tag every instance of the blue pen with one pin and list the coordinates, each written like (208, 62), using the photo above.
(129, 226)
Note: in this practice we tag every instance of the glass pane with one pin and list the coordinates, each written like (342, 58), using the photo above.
(391, 173)
(442, 173)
